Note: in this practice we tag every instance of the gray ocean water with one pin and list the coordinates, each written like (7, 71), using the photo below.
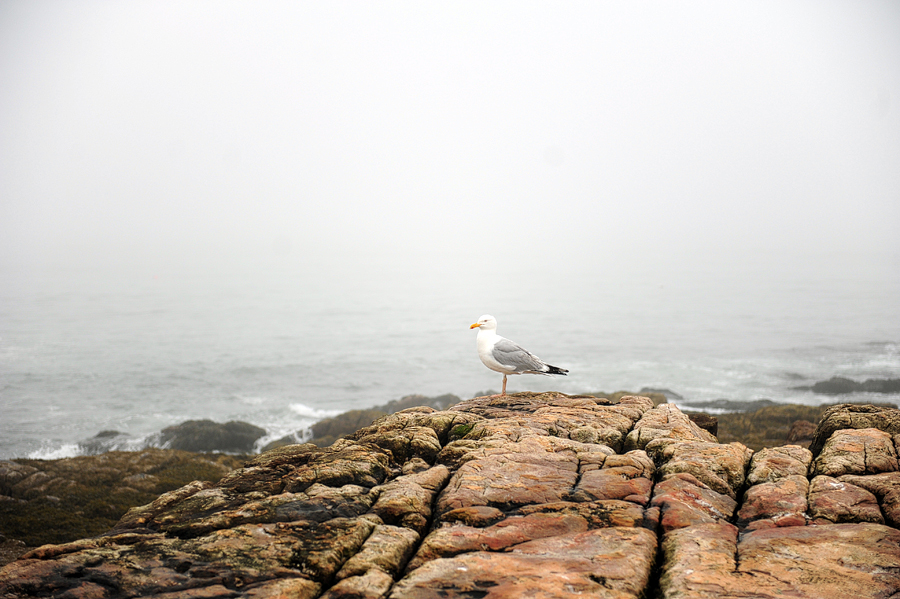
(281, 346)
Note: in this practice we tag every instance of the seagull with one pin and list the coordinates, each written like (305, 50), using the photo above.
(502, 355)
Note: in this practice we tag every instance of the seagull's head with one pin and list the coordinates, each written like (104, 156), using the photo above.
(486, 322)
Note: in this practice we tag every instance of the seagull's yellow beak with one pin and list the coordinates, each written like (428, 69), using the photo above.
(475, 326)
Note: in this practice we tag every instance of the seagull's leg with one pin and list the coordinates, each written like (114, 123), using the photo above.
(502, 393)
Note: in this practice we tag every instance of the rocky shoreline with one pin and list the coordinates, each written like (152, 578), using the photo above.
(542, 495)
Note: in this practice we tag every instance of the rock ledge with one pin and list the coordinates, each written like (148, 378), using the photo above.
(541, 495)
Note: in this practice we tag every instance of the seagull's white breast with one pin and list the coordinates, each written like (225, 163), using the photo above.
(485, 343)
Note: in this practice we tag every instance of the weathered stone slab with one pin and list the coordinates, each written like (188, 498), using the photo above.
(601, 514)
(373, 584)
(628, 477)
(834, 501)
(665, 421)
(454, 539)
(857, 451)
(720, 467)
(774, 463)
(344, 463)
(685, 501)
(886, 487)
(609, 562)
(810, 562)
(851, 416)
(507, 480)
(388, 549)
(407, 500)
(781, 502)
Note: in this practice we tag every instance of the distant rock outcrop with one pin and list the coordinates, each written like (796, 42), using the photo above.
(841, 386)
(206, 435)
(531, 494)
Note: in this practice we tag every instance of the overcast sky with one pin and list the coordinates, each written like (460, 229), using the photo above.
(154, 131)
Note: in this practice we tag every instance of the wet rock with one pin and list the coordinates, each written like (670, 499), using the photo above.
(93, 492)
(209, 436)
(767, 426)
(706, 422)
(857, 451)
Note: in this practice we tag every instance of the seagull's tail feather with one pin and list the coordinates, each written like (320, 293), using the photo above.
(556, 370)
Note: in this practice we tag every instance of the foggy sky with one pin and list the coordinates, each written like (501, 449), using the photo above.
(154, 132)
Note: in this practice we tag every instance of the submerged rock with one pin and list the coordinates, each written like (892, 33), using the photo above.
(532, 494)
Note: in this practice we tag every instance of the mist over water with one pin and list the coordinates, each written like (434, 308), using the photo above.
(83, 352)
(274, 211)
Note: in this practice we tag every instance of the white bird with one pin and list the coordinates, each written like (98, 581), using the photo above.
(502, 355)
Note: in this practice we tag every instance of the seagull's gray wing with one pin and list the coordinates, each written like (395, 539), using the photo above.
(514, 356)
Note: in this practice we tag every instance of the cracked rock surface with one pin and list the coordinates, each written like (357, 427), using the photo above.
(529, 495)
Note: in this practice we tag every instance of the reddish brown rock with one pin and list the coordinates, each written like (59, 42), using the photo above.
(886, 487)
(454, 539)
(834, 501)
(608, 562)
(778, 503)
(532, 473)
(813, 562)
(685, 501)
(627, 477)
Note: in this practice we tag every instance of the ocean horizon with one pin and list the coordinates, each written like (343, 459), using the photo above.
(282, 347)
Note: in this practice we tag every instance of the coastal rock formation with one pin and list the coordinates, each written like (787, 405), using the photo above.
(839, 385)
(206, 435)
(542, 495)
